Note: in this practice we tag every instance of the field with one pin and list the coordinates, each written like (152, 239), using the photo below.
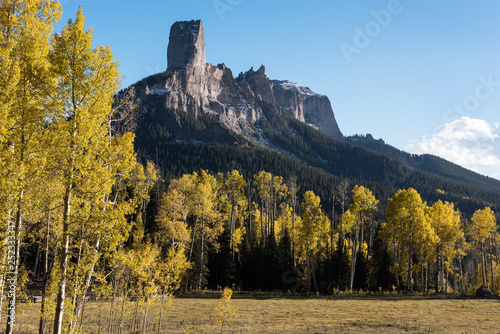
(281, 314)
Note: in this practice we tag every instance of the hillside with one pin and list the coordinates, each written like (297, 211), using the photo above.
(198, 115)
(318, 161)
(427, 163)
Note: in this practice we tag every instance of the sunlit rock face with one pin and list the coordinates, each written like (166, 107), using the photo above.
(245, 104)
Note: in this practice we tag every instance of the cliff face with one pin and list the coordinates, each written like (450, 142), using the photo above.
(307, 106)
(245, 104)
(186, 46)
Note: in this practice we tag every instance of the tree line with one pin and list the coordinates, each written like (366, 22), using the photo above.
(258, 234)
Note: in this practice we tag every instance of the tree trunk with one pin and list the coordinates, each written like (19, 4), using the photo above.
(13, 266)
(135, 316)
(61, 295)
(193, 236)
(353, 257)
(41, 324)
(233, 225)
(100, 316)
(112, 310)
(161, 311)
(36, 271)
(447, 282)
(332, 220)
(88, 277)
(120, 329)
(426, 278)
(2, 285)
(3, 276)
(81, 317)
(492, 271)
(202, 253)
(249, 208)
(409, 276)
(438, 264)
(483, 264)
(145, 321)
(461, 274)
(308, 274)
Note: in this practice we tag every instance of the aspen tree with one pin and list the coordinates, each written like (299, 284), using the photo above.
(446, 224)
(224, 311)
(407, 228)
(360, 219)
(87, 79)
(203, 207)
(312, 234)
(481, 228)
(264, 190)
(26, 28)
(293, 189)
(234, 187)
(173, 237)
(271, 190)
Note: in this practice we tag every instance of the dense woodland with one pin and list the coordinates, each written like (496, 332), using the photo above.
(84, 217)
(278, 241)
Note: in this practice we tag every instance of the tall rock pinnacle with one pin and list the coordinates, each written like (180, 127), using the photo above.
(186, 46)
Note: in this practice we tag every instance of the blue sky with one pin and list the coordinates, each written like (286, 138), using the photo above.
(424, 75)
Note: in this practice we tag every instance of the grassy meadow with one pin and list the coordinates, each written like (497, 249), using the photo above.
(282, 314)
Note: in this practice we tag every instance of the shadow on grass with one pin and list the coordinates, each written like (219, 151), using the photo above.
(256, 295)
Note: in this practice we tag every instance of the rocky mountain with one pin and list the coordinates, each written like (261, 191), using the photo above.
(248, 119)
(244, 105)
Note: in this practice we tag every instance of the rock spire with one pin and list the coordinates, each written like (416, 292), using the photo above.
(186, 46)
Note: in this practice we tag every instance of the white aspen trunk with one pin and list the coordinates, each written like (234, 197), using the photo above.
(202, 252)
(13, 268)
(354, 256)
(2, 285)
(483, 264)
(409, 275)
(161, 310)
(3, 275)
(492, 272)
(61, 296)
(145, 321)
(41, 325)
(438, 264)
(233, 226)
(120, 329)
(81, 301)
(461, 273)
(135, 315)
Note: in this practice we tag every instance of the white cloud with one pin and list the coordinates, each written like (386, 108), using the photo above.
(471, 143)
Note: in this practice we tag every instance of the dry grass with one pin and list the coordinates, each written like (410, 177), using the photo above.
(265, 314)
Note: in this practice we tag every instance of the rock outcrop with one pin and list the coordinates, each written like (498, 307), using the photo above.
(307, 106)
(484, 292)
(186, 45)
(245, 104)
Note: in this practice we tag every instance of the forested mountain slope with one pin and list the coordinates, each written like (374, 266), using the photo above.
(179, 144)
(427, 163)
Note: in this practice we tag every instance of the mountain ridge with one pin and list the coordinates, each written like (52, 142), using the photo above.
(245, 104)
(205, 104)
